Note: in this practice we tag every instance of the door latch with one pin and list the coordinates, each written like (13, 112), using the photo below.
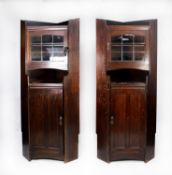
(108, 46)
(60, 120)
(111, 119)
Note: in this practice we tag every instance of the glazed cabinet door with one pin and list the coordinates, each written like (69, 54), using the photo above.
(46, 122)
(127, 47)
(127, 122)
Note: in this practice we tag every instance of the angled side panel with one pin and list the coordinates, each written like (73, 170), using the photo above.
(152, 88)
(102, 93)
(24, 96)
(152, 91)
(71, 95)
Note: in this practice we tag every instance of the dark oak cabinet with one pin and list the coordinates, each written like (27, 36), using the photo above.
(50, 89)
(126, 90)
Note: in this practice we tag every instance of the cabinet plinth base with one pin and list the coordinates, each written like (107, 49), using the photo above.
(42, 152)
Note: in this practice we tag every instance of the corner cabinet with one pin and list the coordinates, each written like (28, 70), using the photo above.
(126, 89)
(50, 90)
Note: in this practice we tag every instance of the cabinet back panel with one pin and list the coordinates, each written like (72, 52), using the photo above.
(46, 76)
(128, 75)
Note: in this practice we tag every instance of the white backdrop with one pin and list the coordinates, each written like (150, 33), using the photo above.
(11, 12)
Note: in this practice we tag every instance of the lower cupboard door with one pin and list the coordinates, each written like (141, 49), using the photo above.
(127, 123)
(46, 122)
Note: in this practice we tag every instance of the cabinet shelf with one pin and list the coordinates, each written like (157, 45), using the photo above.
(131, 44)
(46, 52)
(48, 44)
(128, 84)
(128, 52)
(45, 85)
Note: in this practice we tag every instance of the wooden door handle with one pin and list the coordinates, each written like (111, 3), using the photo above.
(108, 46)
(111, 119)
(60, 120)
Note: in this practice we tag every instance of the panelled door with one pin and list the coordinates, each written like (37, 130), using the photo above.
(127, 121)
(46, 121)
